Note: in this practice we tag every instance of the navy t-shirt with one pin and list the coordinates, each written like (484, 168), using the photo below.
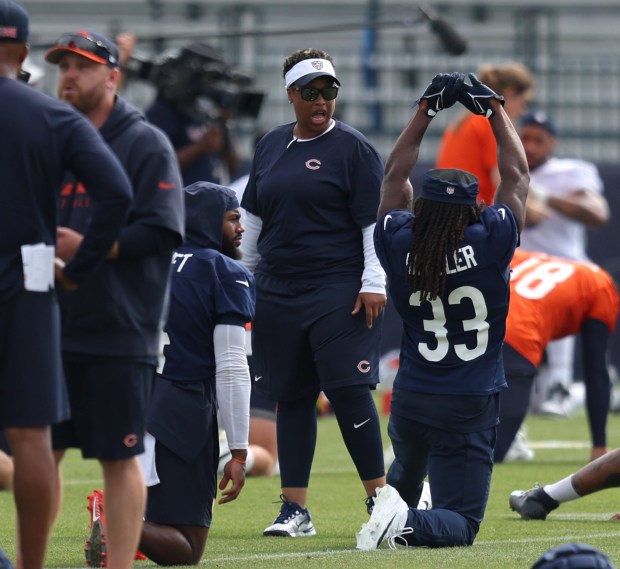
(207, 289)
(313, 197)
(452, 345)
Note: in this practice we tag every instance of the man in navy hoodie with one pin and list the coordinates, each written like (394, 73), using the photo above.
(110, 347)
(212, 298)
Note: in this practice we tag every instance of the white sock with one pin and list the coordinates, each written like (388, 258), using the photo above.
(562, 491)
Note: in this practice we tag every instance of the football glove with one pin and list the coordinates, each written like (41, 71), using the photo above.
(442, 92)
(476, 97)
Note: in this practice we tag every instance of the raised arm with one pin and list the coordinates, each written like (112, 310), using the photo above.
(513, 169)
(396, 189)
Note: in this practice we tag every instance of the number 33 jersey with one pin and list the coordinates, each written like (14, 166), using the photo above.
(452, 345)
(551, 297)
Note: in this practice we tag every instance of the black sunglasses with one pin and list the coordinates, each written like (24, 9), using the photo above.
(89, 44)
(312, 93)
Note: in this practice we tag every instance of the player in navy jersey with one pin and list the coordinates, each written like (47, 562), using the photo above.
(42, 138)
(310, 209)
(212, 297)
(447, 262)
(110, 345)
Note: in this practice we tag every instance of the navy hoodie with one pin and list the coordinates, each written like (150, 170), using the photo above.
(118, 310)
(208, 288)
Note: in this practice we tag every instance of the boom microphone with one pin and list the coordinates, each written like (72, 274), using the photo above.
(451, 40)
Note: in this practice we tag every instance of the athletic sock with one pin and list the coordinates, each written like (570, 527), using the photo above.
(562, 491)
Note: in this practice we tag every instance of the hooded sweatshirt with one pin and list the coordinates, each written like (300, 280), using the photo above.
(208, 289)
(119, 309)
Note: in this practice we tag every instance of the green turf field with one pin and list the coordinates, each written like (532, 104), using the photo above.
(337, 505)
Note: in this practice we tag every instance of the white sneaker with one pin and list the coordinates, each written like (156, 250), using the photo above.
(426, 502)
(292, 521)
(520, 448)
(387, 521)
(558, 402)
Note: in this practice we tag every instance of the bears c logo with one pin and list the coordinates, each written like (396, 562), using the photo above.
(364, 366)
(313, 164)
(130, 440)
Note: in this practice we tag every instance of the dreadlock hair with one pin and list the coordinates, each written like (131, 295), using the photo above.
(438, 230)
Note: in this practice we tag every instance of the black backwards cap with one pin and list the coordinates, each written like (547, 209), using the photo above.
(13, 22)
(90, 45)
(541, 119)
(449, 185)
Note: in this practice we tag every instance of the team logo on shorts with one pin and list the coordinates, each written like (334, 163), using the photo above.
(130, 440)
(313, 164)
(364, 366)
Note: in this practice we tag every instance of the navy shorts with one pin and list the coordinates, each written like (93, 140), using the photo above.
(32, 387)
(109, 399)
(305, 340)
(186, 490)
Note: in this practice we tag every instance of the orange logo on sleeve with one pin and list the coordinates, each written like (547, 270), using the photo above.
(166, 185)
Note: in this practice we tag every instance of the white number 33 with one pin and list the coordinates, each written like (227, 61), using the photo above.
(437, 325)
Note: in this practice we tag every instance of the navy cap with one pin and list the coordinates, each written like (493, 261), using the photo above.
(573, 556)
(13, 22)
(450, 186)
(90, 45)
(541, 119)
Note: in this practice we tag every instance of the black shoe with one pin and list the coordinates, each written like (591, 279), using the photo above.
(534, 504)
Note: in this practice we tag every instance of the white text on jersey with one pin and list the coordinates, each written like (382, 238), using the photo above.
(182, 257)
(462, 260)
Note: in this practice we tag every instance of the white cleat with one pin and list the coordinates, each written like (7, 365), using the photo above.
(387, 521)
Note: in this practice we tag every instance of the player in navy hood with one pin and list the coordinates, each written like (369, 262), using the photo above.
(212, 297)
(206, 205)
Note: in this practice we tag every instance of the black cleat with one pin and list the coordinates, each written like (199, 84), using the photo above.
(534, 504)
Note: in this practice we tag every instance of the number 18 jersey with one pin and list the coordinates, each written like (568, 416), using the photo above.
(551, 297)
(452, 345)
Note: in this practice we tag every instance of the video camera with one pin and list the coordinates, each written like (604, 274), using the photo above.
(199, 83)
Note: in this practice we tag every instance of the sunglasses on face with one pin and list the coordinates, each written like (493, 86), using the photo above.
(89, 44)
(312, 93)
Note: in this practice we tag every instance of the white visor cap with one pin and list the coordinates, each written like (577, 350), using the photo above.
(307, 70)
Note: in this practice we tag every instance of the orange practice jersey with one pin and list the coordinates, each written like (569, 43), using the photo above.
(551, 297)
(471, 147)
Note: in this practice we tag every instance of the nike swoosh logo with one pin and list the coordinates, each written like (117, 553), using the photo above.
(385, 220)
(358, 425)
(257, 377)
(244, 283)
